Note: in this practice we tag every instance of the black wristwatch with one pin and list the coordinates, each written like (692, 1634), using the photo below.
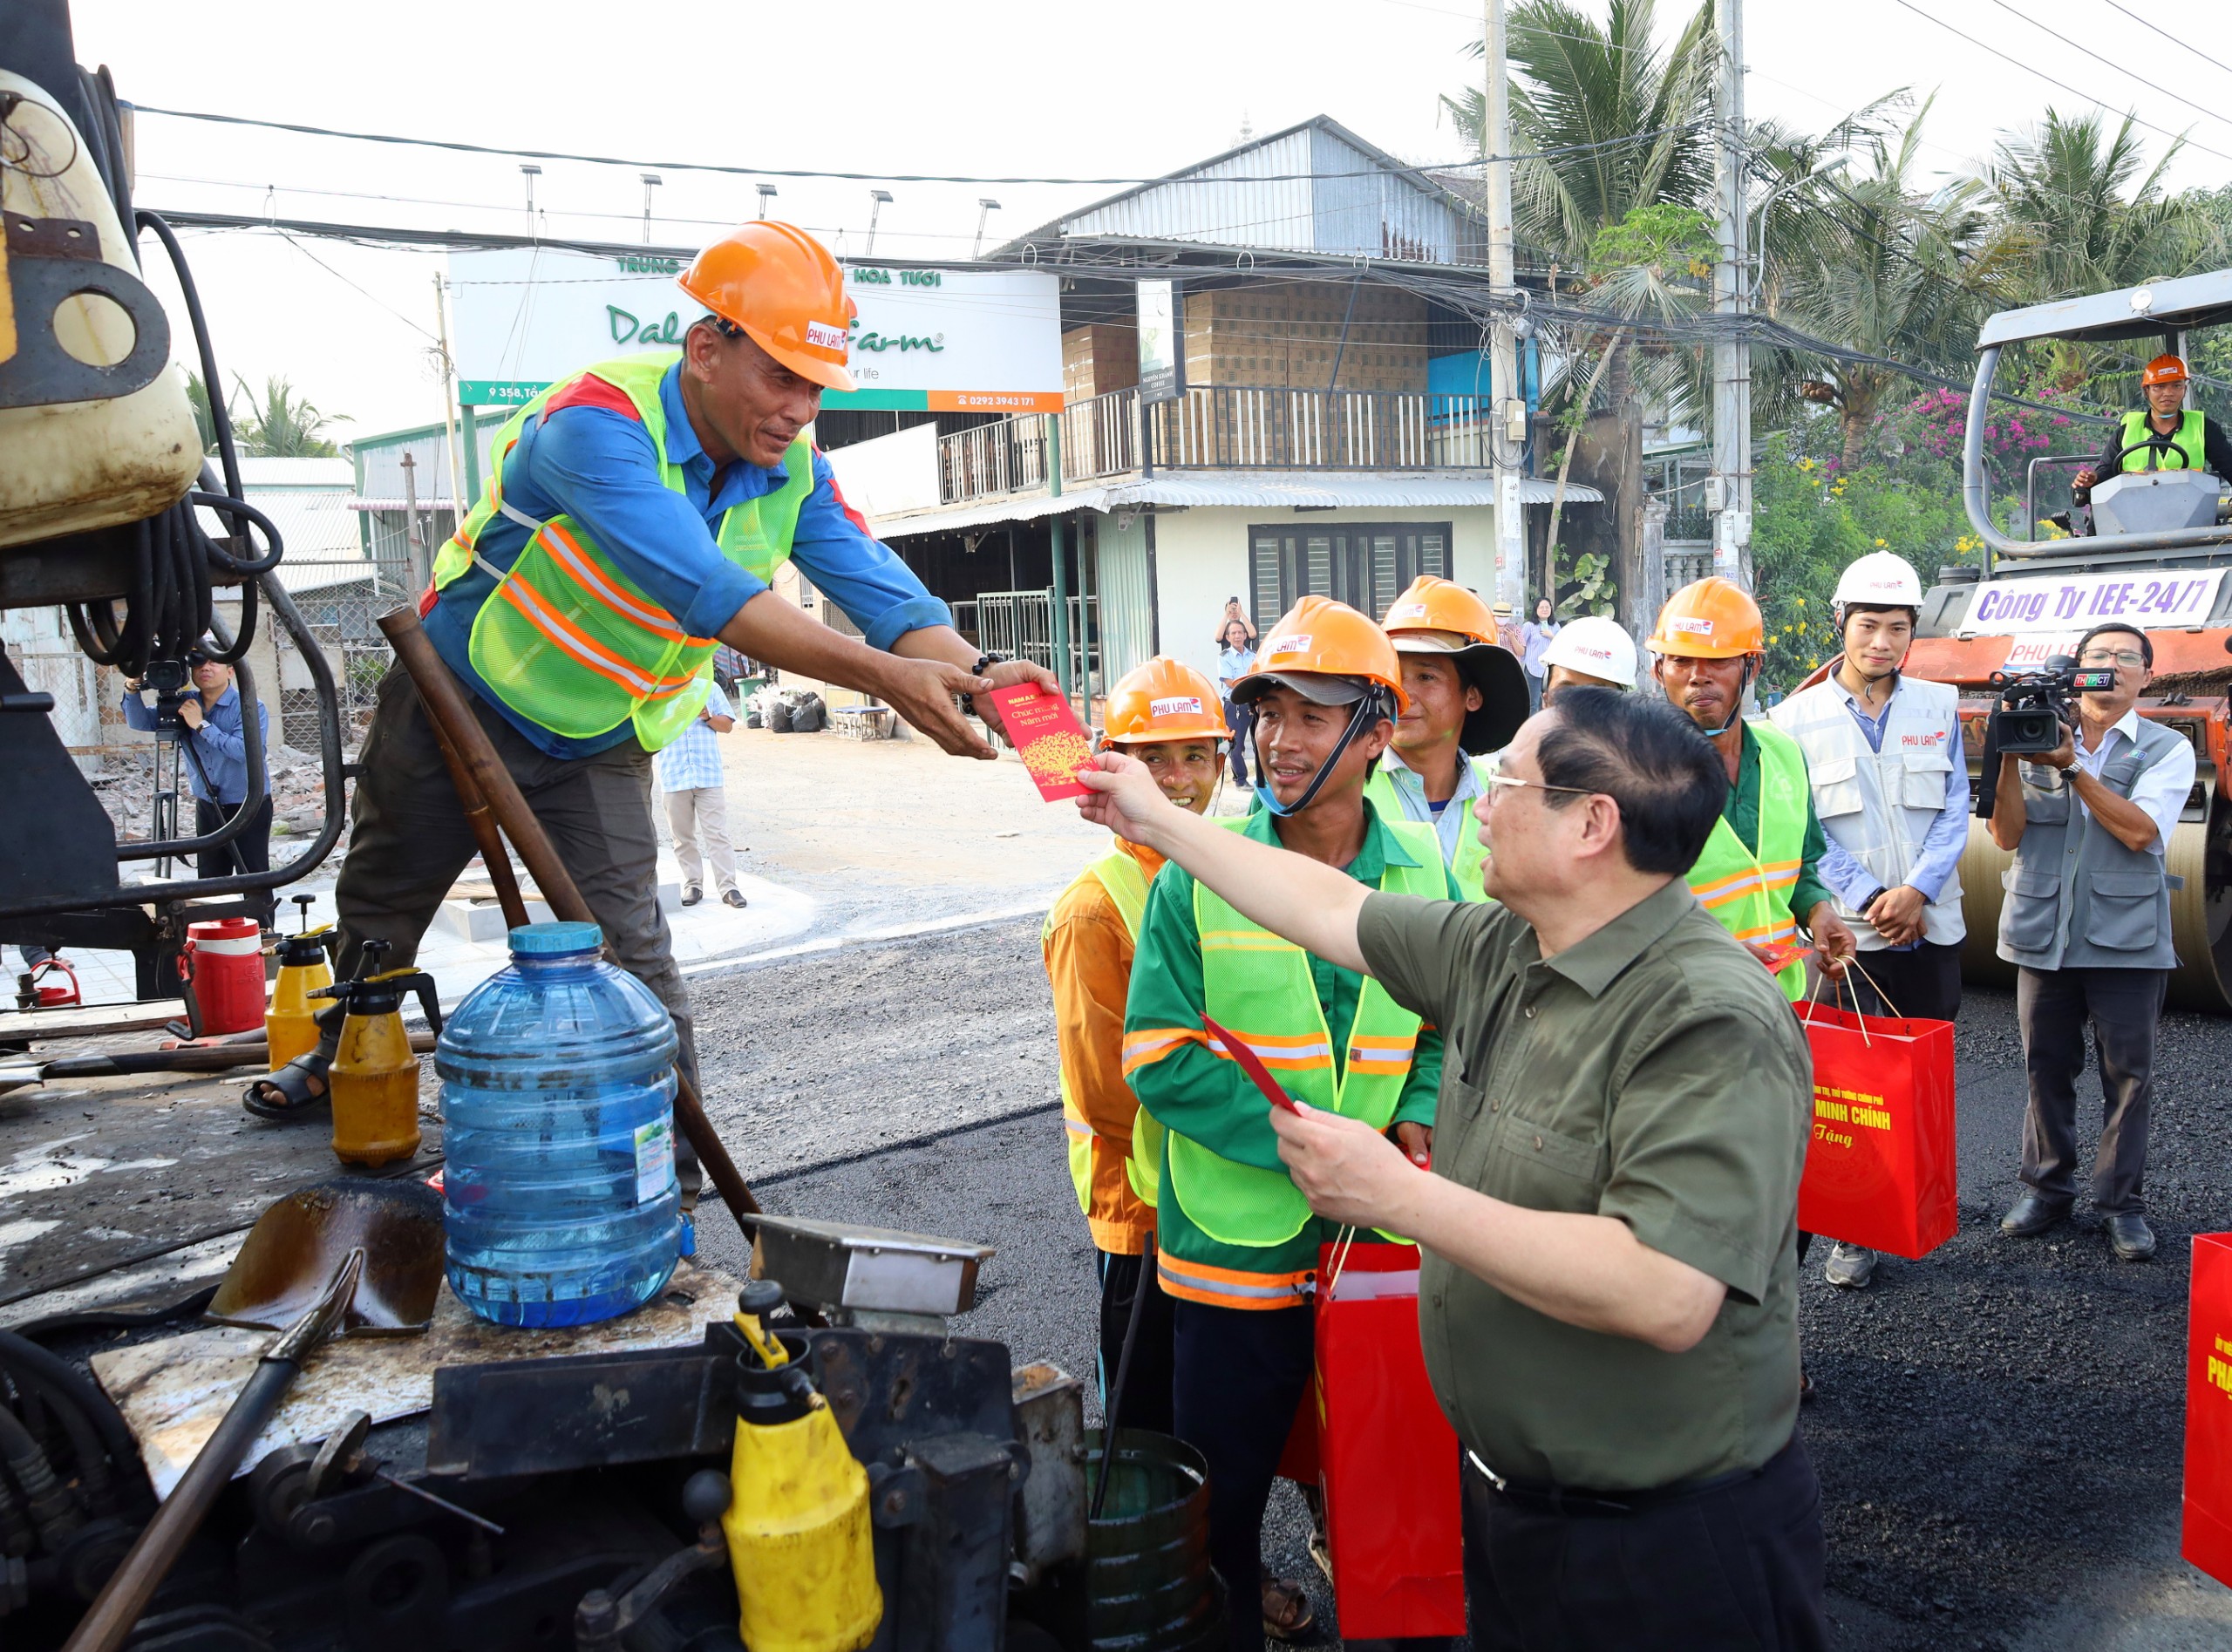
(1862, 908)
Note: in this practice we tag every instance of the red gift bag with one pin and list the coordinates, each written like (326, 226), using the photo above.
(1387, 1456)
(1880, 1169)
(2206, 1539)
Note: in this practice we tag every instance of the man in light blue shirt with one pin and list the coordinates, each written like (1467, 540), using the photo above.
(689, 774)
(213, 744)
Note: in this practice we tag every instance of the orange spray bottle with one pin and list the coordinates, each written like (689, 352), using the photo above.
(374, 1078)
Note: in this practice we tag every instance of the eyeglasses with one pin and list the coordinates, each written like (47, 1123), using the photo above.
(1497, 782)
(2113, 656)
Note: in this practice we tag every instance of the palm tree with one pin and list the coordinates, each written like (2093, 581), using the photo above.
(2080, 211)
(1613, 123)
(1881, 267)
(284, 425)
(205, 422)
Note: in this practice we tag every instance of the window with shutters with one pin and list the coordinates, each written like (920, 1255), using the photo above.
(1367, 565)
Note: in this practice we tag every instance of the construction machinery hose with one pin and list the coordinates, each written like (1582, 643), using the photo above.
(60, 1380)
(54, 1513)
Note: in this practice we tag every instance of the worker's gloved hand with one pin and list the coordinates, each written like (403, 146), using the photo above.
(924, 692)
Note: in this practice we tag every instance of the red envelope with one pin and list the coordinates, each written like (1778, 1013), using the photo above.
(1052, 741)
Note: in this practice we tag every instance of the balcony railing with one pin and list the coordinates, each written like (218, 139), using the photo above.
(1222, 427)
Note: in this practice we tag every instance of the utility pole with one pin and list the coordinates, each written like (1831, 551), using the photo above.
(766, 194)
(1728, 489)
(1504, 451)
(985, 208)
(462, 491)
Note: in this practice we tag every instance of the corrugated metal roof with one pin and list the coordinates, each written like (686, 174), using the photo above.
(1315, 188)
(316, 523)
(1270, 489)
(261, 473)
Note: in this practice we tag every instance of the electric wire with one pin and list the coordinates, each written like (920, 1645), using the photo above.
(2063, 85)
(2182, 42)
(2089, 51)
(461, 147)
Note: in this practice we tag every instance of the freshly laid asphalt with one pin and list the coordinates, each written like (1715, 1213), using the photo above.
(2000, 1427)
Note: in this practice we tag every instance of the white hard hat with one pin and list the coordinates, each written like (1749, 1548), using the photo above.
(1880, 579)
(1595, 647)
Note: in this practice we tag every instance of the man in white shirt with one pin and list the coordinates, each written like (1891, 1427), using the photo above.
(688, 774)
(2087, 923)
(1891, 788)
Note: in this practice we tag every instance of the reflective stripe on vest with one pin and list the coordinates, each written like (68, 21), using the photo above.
(1126, 882)
(573, 644)
(1472, 857)
(2189, 454)
(1258, 986)
(1750, 893)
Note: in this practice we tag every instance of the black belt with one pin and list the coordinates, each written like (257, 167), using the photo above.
(1567, 1499)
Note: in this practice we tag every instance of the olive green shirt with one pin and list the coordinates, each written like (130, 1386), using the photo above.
(1652, 1073)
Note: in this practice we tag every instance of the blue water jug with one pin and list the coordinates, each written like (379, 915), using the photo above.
(559, 1190)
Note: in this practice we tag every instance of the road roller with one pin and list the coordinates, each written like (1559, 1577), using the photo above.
(2153, 550)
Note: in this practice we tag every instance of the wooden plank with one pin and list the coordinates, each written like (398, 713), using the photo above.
(91, 1020)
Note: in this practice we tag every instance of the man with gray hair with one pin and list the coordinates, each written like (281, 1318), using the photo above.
(1608, 1296)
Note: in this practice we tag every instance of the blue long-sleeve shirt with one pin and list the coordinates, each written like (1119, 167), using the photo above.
(220, 744)
(596, 464)
(1940, 846)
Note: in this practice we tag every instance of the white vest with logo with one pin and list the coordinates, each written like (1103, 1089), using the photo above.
(1880, 805)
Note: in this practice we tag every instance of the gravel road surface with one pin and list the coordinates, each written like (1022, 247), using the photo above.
(1999, 1427)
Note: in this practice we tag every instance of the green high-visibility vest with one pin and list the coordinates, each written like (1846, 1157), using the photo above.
(567, 640)
(1257, 986)
(1472, 857)
(1125, 880)
(1748, 887)
(2187, 454)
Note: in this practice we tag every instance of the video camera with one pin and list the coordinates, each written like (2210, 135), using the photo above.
(173, 682)
(2037, 708)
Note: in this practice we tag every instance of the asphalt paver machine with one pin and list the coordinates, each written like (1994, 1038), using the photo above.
(2156, 556)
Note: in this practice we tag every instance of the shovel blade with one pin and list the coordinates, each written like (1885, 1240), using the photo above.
(289, 1256)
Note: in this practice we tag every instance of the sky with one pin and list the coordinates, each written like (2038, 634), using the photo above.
(882, 86)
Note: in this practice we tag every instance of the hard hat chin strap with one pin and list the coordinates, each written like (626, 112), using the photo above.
(1742, 689)
(1367, 712)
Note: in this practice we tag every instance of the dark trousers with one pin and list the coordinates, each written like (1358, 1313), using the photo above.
(250, 852)
(2124, 1007)
(1241, 1374)
(408, 841)
(1147, 1384)
(1739, 1565)
(1240, 719)
(1922, 983)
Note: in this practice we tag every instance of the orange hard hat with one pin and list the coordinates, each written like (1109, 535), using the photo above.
(2164, 370)
(1431, 605)
(781, 286)
(1318, 637)
(1165, 699)
(1710, 620)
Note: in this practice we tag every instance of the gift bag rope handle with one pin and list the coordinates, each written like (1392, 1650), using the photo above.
(1876, 988)
(1813, 994)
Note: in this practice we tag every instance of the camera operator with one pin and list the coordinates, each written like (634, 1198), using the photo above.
(2087, 922)
(206, 725)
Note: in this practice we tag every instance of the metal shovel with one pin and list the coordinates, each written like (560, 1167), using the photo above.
(339, 1258)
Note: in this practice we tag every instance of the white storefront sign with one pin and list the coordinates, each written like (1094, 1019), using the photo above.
(935, 340)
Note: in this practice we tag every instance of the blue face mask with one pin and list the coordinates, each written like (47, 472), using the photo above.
(1368, 711)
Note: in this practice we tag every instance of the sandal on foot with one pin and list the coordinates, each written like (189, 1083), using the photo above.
(1286, 1608)
(292, 1092)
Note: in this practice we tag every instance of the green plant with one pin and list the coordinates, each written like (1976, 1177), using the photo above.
(1585, 584)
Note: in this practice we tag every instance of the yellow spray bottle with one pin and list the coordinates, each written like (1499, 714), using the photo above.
(291, 1024)
(374, 1077)
(799, 1542)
